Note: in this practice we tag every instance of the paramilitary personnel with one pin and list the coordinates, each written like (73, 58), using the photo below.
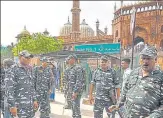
(21, 94)
(43, 77)
(75, 85)
(67, 96)
(2, 89)
(7, 65)
(143, 92)
(105, 81)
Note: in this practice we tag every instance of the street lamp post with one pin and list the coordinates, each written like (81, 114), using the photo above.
(12, 46)
(132, 31)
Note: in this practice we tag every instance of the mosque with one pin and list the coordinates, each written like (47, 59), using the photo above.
(148, 29)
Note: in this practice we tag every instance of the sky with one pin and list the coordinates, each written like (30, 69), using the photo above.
(38, 15)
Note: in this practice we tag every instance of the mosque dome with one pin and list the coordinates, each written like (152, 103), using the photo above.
(85, 29)
(23, 33)
(66, 29)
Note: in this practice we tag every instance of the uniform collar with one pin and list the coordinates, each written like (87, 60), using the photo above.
(126, 69)
(23, 66)
(109, 69)
(154, 71)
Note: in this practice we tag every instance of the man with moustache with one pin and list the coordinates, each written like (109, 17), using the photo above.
(21, 94)
(143, 92)
(106, 81)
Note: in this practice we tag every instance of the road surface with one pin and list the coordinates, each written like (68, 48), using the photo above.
(57, 108)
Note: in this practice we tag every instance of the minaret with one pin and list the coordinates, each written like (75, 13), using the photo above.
(75, 35)
(106, 30)
(121, 3)
(121, 6)
(97, 27)
(115, 7)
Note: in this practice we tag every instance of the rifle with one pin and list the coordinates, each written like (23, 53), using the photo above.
(114, 100)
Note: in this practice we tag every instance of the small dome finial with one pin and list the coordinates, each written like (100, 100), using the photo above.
(46, 32)
(97, 21)
(25, 27)
(83, 22)
(68, 19)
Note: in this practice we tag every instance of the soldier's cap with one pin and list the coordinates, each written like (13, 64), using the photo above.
(149, 51)
(105, 58)
(8, 62)
(25, 54)
(71, 56)
(44, 59)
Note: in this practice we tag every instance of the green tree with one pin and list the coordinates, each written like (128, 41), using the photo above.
(38, 43)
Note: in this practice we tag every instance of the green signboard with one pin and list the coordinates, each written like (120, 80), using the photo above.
(112, 48)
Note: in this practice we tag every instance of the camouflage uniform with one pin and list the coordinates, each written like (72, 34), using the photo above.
(43, 82)
(20, 89)
(2, 90)
(21, 93)
(105, 83)
(65, 86)
(7, 64)
(75, 85)
(143, 96)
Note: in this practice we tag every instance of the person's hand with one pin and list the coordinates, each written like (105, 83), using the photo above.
(112, 108)
(13, 111)
(35, 104)
(49, 91)
(74, 96)
(91, 100)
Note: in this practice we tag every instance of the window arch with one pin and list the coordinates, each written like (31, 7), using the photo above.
(116, 33)
(150, 8)
(162, 29)
(124, 12)
(142, 9)
(154, 7)
(138, 10)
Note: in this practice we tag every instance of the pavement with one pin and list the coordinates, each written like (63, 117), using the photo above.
(57, 109)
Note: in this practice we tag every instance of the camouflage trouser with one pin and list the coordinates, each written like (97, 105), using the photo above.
(99, 106)
(76, 108)
(6, 113)
(25, 109)
(44, 104)
(69, 99)
(2, 102)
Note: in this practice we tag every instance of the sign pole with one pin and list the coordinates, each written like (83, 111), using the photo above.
(120, 59)
(132, 30)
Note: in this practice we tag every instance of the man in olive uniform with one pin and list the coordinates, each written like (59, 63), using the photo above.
(105, 80)
(143, 91)
(21, 96)
(43, 77)
(75, 84)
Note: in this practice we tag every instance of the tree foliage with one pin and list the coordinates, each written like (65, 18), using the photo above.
(38, 43)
